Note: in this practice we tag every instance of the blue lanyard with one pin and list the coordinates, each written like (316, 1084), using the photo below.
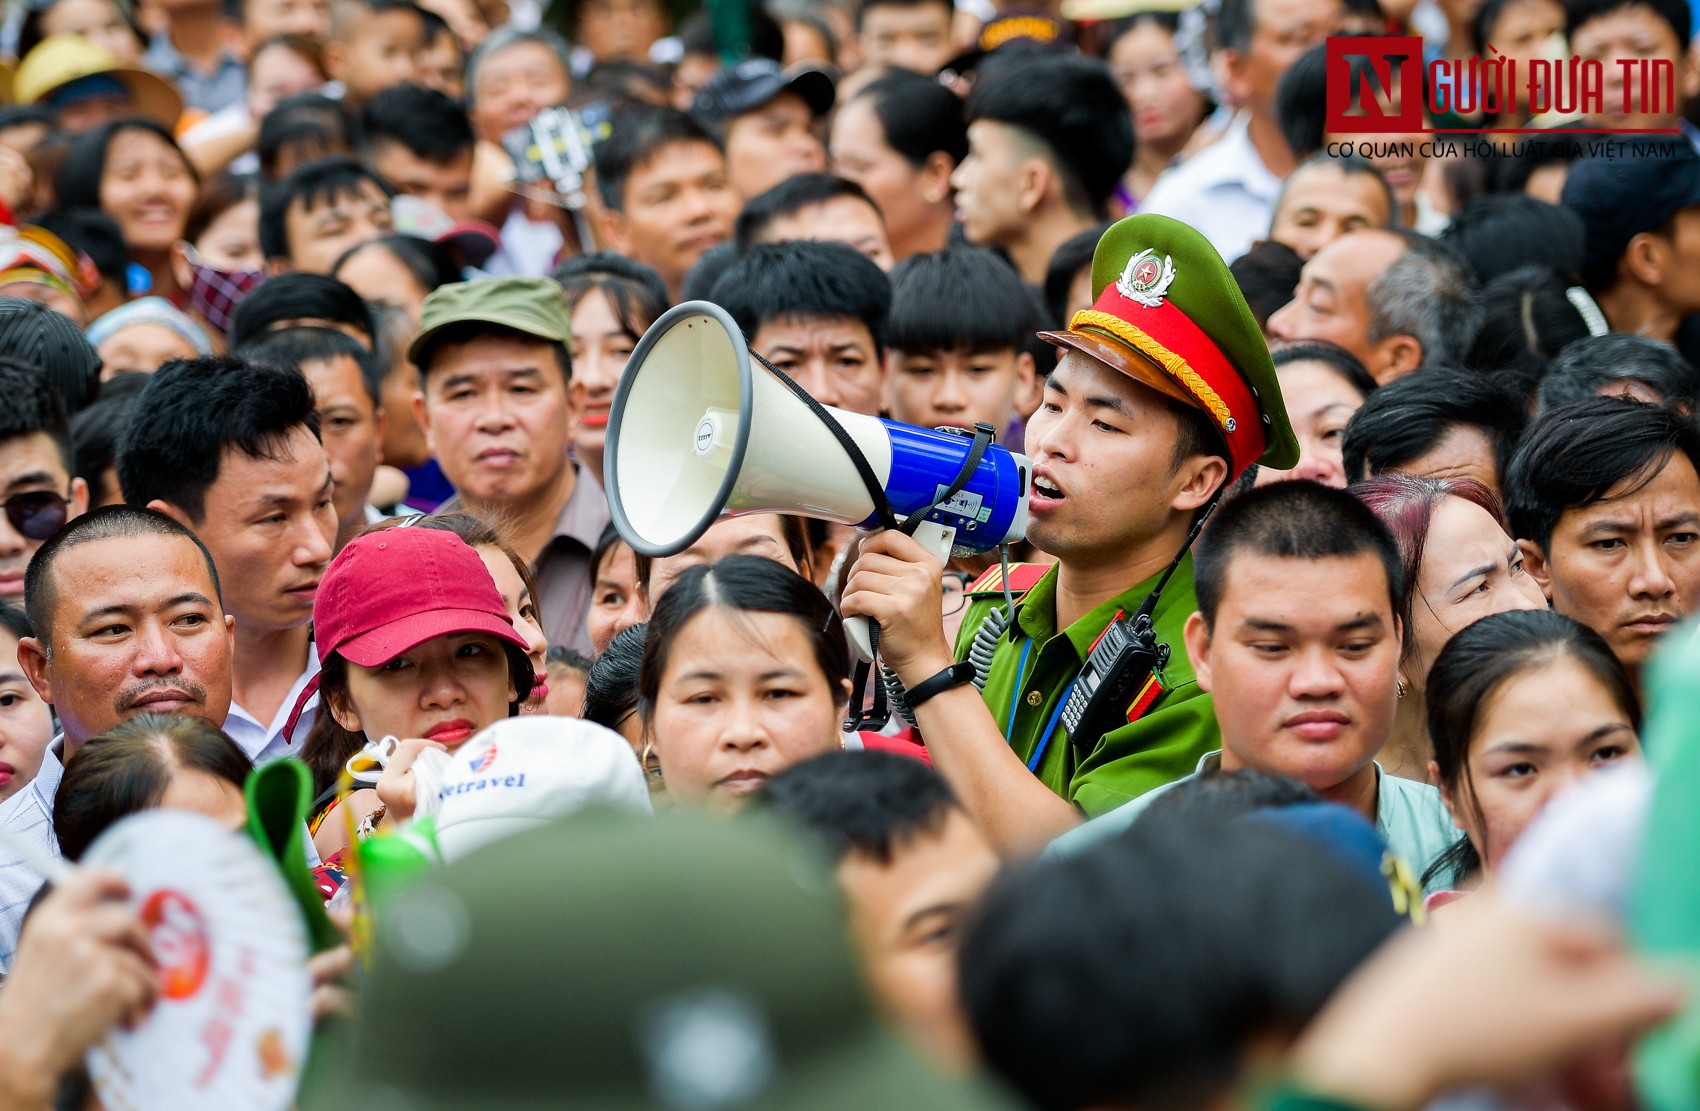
(1015, 703)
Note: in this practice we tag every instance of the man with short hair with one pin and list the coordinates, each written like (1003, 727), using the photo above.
(1437, 423)
(1641, 253)
(817, 311)
(231, 450)
(311, 217)
(128, 619)
(36, 472)
(1163, 396)
(1610, 32)
(912, 865)
(1618, 364)
(1604, 501)
(1049, 137)
(1297, 640)
(816, 206)
(770, 120)
(420, 141)
(1228, 189)
(906, 34)
(498, 404)
(666, 197)
(347, 383)
(1395, 299)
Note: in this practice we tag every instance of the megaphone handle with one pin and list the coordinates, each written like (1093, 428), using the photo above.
(936, 538)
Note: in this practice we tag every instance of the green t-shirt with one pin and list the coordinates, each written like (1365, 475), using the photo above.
(1163, 745)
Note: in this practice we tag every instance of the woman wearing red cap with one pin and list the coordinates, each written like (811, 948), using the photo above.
(414, 642)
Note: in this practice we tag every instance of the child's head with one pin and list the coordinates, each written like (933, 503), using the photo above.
(372, 46)
(959, 320)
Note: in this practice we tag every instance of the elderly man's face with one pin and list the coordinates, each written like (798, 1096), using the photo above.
(1331, 301)
(136, 628)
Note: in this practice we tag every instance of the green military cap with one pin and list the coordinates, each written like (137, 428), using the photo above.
(1167, 312)
(535, 306)
(616, 962)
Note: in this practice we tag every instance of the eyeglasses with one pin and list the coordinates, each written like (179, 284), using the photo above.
(37, 514)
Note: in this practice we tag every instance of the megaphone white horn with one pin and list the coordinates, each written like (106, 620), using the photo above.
(695, 431)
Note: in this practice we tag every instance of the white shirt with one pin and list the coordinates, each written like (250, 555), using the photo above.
(1224, 191)
(263, 743)
(28, 816)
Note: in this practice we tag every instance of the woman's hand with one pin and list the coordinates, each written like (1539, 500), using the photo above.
(84, 965)
(898, 583)
(398, 787)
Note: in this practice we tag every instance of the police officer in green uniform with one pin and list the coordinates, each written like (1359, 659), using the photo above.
(1163, 396)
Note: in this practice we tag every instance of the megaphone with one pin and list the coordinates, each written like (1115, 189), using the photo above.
(696, 431)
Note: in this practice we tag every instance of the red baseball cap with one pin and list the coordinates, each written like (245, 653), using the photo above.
(395, 589)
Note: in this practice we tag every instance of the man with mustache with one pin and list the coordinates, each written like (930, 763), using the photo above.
(230, 449)
(128, 616)
(1604, 501)
(498, 404)
(1297, 640)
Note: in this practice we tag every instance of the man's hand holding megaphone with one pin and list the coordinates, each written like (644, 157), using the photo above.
(897, 582)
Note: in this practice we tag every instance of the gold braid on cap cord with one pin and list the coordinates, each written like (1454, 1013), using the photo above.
(1175, 365)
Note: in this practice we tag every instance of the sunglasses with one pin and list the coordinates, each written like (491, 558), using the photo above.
(37, 514)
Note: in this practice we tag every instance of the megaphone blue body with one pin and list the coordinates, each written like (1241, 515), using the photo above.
(695, 431)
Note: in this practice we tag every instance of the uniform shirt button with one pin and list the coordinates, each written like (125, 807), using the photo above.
(1034, 698)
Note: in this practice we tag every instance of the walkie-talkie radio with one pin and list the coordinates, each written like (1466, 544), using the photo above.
(1117, 669)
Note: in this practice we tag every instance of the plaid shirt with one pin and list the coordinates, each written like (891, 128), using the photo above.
(27, 815)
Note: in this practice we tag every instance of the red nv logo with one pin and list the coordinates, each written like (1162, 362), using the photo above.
(482, 762)
(1374, 85)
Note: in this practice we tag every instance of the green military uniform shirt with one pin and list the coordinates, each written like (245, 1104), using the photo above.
(1163, 745)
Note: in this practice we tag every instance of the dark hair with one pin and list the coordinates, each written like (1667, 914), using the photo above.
(1499, 232)
(95, 234)
(1474, 665)
(312, 185)
(1406, 505)
(635, 291)
(1407, 417)
(430, 124)
(1222, 796)
(219, 194)
(767, 39)
(1513, 172)
(918, 115)
(1674, 13)
(19, 115)
(1267, 276)
(1186, 941)
(1349, 165)
(1301, 93)
(806, 279)
(1070, 106)
(33, 335)
(637, 134)
(623, 81)
(33, 406)
(795, 193)
(85, 161)
(109, 522)
(430, 263)
(1290, 520)
(128, 769)
(1072, 256)
(605, 544)
(708, 269)
(305, 47)
(306, 126)
(747, 584)
(1236, 23)
(1528, 316)
(15, 621)
(96, 430)
(297, 296)
(197, 408)
(959, 299)
(1331, 355)
(1582, 369)
(868, 803)
(288, 348)
(1576, 455)
(949, 7)
(611, 687)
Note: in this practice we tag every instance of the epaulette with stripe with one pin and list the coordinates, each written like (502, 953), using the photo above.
(1022, 578)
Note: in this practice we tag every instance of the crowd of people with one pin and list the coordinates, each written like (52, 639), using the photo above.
(1369, 470)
